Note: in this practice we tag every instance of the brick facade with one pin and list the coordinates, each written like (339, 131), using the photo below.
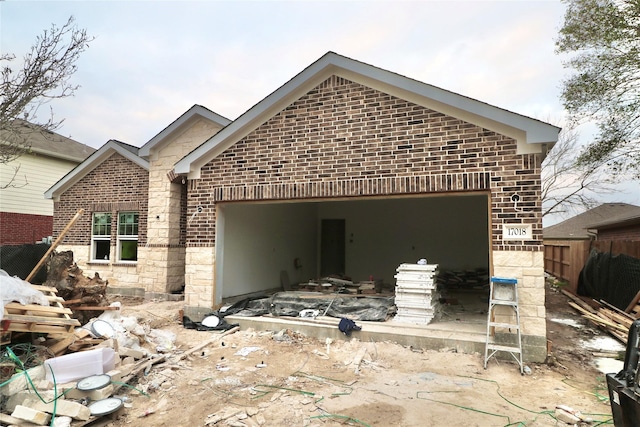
(117, 184)
(343, 139)
(19, 229)
(629, 232)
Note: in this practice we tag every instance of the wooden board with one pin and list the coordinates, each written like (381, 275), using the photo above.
(634, 307)
(51, 319)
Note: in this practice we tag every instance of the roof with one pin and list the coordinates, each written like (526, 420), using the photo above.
(603, 216)
(103, 153)
(135, 154)
(616, 223)
(529, 133)
(51, 144)
(181, 123)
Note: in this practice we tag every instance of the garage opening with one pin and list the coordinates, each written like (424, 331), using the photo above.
(266, 247)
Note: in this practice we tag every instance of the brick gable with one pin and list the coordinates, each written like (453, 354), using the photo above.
(343, 139)
(116, 184)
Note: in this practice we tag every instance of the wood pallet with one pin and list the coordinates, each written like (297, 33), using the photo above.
(37, 318)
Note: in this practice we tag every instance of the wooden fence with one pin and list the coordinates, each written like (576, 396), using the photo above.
(565, 259)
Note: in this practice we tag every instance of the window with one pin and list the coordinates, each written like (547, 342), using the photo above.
(127, 236)
(101, 236)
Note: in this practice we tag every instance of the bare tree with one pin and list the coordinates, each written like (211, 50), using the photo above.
(568, 185)
(601, 40)
(43, 75)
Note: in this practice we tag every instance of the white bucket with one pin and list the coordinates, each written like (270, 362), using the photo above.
(74, 366)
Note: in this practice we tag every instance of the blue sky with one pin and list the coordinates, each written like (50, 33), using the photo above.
(152, 60)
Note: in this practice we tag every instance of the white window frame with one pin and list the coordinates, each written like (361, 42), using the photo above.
(127, 237)
(100, 237)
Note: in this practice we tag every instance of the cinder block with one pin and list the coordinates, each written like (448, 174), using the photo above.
(65, 408)
(19, 381)
(8, 420)
(129, 352)
(116, 375)
(101, 393)
(36, 417)
(24, 397)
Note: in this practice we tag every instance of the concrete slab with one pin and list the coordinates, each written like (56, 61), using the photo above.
(464, 337)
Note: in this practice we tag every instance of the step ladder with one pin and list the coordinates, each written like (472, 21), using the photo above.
(503, 292)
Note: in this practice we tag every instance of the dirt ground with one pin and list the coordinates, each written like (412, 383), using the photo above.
(281, 378)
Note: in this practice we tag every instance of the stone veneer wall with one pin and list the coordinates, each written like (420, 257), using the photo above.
(199, 276)
(163, 269)
(528, 268)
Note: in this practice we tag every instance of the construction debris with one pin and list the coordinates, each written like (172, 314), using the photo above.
(342, 285)
(82, 384)
(29, 308)
(611, 319)
(464, 279)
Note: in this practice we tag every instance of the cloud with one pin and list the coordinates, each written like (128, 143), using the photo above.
(151, 61)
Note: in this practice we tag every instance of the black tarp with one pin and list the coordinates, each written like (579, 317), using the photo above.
(612, 278)
(291, 304)
(19, 260)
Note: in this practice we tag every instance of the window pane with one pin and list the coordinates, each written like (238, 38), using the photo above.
(102, 224)
(129, 250)
(128, 224)
(101, 249)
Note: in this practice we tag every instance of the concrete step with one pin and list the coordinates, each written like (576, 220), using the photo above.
(465, 338)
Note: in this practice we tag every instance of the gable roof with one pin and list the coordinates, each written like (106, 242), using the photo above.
(578, 227)
(103, 153)
(529, 133)
(48, 143)
(618, 222)
(180, 124)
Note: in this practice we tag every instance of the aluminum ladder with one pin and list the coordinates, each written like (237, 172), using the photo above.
(503, 292)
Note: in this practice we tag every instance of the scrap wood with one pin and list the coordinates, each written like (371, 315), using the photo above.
(633, 309)
(358, 359)
(615, 317)
(617, 330)
(579, 301)
(95, 308)
(617, 310)
(61, 346)
(140, 367)
(603, 321)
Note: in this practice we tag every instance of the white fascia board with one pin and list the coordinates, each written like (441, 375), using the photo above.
(93, 161)
(57, 155)
(176, 125)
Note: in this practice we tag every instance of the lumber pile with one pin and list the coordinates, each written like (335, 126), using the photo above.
(604, 315)
(54, 318)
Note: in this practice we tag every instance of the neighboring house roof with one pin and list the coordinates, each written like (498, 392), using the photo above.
(532, 136)
(49, 143)
(616, 223)
(181, 123)
(103, 153)
(605, 215)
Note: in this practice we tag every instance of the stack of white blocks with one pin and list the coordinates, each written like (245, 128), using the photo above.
(416, 294)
